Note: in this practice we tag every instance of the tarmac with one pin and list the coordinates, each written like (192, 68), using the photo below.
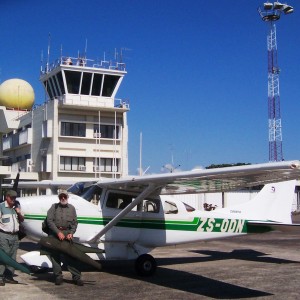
(264, 266)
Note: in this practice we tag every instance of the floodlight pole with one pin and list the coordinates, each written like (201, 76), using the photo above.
(271, 13)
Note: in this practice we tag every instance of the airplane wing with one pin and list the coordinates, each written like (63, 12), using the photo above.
(211, 180)
(50, 183)
(198, 181)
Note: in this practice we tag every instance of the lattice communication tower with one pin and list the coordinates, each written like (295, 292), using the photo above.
(271, 12)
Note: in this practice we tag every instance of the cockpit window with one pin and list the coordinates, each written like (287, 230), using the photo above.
(170, 208)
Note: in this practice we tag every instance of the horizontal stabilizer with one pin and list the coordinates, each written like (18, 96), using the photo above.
(260, 227)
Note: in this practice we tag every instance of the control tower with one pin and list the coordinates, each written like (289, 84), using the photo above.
(80, 131)
(92, 133)
(80, 81)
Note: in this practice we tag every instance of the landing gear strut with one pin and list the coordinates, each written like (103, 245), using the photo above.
(145, 265)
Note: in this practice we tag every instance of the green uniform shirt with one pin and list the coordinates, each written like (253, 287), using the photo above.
(62, 216)
(8, 218)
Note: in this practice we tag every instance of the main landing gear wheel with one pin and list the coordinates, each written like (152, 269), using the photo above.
(145, 265)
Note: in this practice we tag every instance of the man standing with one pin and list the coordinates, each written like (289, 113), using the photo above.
(62, 221)
(10, 216)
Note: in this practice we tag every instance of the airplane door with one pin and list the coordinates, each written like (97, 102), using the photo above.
(128, 228)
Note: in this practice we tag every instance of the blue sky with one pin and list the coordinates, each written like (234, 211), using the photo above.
(197, 71)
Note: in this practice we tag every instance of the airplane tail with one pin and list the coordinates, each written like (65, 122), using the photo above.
(273, 203)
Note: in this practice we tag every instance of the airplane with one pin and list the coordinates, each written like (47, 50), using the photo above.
(127, 218)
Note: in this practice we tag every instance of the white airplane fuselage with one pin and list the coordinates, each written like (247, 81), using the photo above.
(143, 229)
(157, 222)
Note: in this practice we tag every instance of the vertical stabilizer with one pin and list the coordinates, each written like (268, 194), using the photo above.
(272, 203)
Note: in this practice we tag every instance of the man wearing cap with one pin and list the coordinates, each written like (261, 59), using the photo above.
(10, 216)
(62, 221)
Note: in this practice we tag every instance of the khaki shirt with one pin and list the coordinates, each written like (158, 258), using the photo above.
(62, 218)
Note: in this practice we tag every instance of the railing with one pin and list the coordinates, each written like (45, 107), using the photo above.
(83, 62)
(93, 101)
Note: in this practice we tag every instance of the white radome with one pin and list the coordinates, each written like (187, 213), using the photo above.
(16, 93)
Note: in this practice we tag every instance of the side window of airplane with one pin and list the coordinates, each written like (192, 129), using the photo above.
(170, 208)
(188, 207)
(118, 201)
(151, 205)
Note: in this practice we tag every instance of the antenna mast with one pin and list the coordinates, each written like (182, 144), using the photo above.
(48, 56)
(271, 13)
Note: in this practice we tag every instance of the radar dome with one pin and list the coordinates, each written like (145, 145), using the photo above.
(16, 93)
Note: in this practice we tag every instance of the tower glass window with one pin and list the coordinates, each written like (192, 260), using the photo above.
(86, 83)
(73, 81)
(47, 87)
(97, 82)
(60, 82)
(109, 85)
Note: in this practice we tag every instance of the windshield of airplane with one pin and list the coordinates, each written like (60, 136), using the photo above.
(80, 187)
(92, 193)
(86, 190)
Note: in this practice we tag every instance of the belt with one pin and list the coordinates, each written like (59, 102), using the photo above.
(62, 228)
(11, 233)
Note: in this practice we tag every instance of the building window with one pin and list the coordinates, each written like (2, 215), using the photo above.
(107, 131)
(72, 129)
(108, 164)
(69, 163)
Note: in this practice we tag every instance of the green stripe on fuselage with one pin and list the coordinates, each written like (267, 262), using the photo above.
(196, 224)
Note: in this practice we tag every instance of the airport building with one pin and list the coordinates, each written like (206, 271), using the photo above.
(79, 133)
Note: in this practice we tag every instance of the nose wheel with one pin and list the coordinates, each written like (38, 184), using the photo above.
(145, 265)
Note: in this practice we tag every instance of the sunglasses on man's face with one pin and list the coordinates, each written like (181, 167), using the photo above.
(63, 197)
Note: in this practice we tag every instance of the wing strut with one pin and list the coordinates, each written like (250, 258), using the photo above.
(145, 193)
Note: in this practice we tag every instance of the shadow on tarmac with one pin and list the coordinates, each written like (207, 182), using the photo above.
(241, 254)
(181, 280)
(191, 283)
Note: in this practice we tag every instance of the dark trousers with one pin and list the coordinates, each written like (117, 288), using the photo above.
(56, 260)
(9, 244)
